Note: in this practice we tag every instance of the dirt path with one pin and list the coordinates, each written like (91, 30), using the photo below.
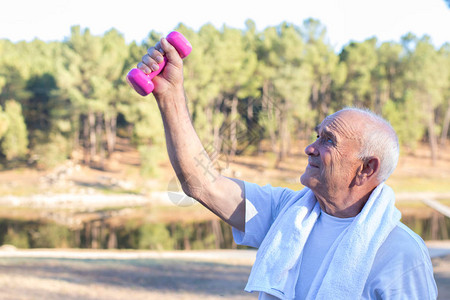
(76, 274)
(152, 276)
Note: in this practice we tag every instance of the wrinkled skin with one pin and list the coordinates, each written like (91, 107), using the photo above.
(335, 173)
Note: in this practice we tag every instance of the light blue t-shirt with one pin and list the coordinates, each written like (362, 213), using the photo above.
(325, 231)
(401, 270)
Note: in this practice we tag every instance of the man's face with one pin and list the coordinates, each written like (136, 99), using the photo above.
(332, 158)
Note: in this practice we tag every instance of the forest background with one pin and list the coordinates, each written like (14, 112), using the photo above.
(251, 94)
(61, 97)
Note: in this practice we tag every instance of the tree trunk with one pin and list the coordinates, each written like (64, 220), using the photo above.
(233, 127)
(87, 158)
(325, 97)
(250, 111)
(391, 75)
(217, 139)
(92, 138)
(95, 235)
(217, 231)
(76, 130)
(101, 144)
(445, 125)
(378, 106)
(87, 234)
(187, 243)
(269, 111)
(112, 239)
(434, 225)
(443, 226)
(77, 238)
(432, 139)
(283, 136)
(314, 96)
(209, 125)
(110, 130)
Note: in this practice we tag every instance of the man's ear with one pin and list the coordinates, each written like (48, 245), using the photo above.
(368, 170)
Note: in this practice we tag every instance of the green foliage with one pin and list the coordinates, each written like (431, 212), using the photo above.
(50, 236)
(155, 237)
(26, 234)
(133, 233)
(52, 153)
(360, 59)
(151, 156)
(406, 118)
(15, 141)
(278, 83)
(207, 242)
(4, 123)
(18, 239)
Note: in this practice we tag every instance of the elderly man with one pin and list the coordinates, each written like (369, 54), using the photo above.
(338, 238)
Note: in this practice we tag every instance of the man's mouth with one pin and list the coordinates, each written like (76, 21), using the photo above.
(312, 164)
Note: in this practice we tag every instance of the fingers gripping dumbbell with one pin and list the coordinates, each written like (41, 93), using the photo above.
(141, 82)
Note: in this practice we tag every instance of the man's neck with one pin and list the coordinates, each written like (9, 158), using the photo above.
(344, 206)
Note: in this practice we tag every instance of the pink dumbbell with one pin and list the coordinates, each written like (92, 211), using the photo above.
(141, 82)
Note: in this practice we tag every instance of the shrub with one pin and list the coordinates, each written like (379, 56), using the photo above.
(17, 239)
(51, 236)
(155, 237)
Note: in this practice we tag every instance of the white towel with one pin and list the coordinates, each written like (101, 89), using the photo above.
(347, 264)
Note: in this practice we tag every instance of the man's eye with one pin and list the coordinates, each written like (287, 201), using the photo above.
(325, 139)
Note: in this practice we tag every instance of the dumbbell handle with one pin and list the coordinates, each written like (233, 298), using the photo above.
(141, 82)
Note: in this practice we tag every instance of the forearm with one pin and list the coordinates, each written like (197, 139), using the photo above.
(194, 168)
(184, 146)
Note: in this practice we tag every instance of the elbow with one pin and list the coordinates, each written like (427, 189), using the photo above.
(193, 190)
(189, 192)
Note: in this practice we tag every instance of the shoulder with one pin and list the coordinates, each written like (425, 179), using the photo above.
(402, 250)
(402, 267)
(403, 243)
(263, 205)
(274, 197)
(266, 191)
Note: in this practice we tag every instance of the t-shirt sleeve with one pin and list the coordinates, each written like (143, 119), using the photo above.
(416, 283)
(262, 205)
(402, 269)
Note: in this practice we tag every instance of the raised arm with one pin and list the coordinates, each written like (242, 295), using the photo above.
(222, 195)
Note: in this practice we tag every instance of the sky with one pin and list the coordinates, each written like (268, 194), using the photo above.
(345, 20)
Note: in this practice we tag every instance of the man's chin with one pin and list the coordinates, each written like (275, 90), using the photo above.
(309, 181)
(305, 180)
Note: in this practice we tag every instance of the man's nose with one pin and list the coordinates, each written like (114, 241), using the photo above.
(311, 150)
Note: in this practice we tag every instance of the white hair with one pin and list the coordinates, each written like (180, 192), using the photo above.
(378, 139)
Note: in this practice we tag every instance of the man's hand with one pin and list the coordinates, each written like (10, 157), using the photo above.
(171, 78)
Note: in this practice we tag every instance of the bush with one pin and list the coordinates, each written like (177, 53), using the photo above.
(150, 157)
(155, 237)
(17, 239)
(51, 236)
(51, 154)
(14, 142)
